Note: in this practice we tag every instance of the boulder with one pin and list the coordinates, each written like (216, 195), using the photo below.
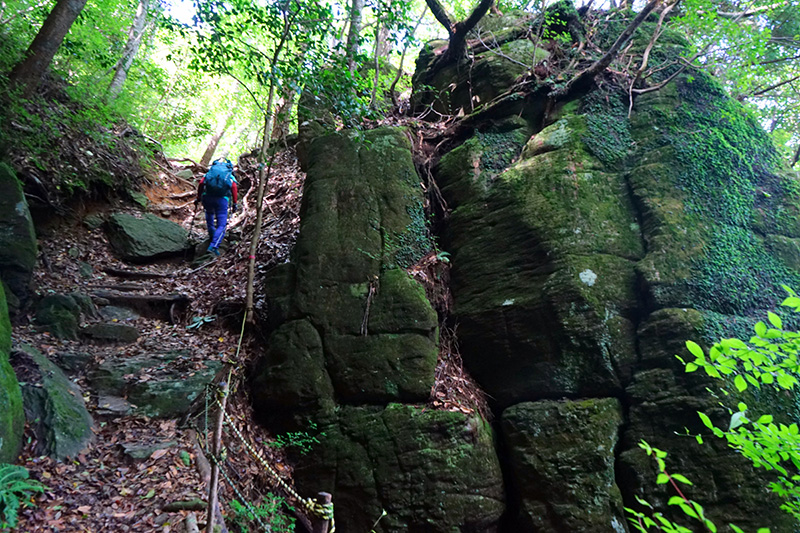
(143, 239)
(17, 239)
(433, 471)
(60, 314)
(54, 405)
(561, 462)
(111, 332)
(12, 416)
(160, 385)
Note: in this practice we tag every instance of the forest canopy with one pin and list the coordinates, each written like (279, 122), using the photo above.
(192, 74)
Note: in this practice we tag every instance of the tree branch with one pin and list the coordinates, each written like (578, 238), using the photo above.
(750, 12)
(441, 15)
(771, 87)
(458, 39)
(603, 63)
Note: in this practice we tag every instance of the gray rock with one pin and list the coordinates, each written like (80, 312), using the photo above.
(113, 312)
(142, 239)
(54, 406)
(159, 385)
(140, 452)
(113, 405)
(111, 332)
(17, 238)
(74, 361)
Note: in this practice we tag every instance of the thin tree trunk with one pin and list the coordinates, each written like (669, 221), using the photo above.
(222, 126)
(353, 36)
(28, 73)
(283, 115)
(262, 178)
(403, 56)
(377, 66)
(131, 48)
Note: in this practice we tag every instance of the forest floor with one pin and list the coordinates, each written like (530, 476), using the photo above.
(111, 485)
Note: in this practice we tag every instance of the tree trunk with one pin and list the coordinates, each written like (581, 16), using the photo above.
(131, 48)
(28, 73)
(222, 126)
(353, 36)
(283, 115)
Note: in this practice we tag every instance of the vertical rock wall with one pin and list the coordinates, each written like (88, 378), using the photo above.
(12, 417)
(354, 350)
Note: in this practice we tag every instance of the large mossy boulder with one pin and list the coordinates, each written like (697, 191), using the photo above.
(432, 471)
(141, 239)
(12, 416)
(54, 405)
(587, 245)
(562, 464)
(17, 240)
(354, 349)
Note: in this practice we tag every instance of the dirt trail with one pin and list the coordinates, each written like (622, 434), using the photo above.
(135, 464)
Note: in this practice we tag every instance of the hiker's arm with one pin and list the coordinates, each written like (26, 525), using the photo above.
(200, 189)
(234, 193)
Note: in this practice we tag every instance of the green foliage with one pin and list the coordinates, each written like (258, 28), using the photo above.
(267, 514)
(15, 490)
(769, 360)
(302, 441)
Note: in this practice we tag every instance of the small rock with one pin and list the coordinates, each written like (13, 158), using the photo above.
(111, 332)
(85, 269)
(140, 452)
(74, 361)
(113, 312)
(186, 174)
(94, 221)
(113, 405)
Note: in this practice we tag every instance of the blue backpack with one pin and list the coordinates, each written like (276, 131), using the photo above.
(219, 179)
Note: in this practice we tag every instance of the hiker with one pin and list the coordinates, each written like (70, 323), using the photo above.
(214, 189)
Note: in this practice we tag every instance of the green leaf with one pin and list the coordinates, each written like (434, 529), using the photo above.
(760, 329)
(681, 479)
(696, 350)
(662, 479)
(765, 419)
(675, 500)
(705, 419)
(740, 383)
(775, 320)
(691, 367)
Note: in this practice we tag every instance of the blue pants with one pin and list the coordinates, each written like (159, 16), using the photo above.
(216, 218)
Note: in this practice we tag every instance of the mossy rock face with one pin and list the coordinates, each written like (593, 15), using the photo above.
(17, 237)
(353, 317)
(143, 239)
(544, 248)
(54, 405)
(562, 462)
(431, 471)
(111, 332)
(12, 416)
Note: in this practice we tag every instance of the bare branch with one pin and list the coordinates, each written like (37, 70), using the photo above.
(603, 63)
(775, 86)
(750, 12)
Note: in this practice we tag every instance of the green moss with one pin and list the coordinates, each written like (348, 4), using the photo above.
(608, 135)
(725, 157)
(12, 418)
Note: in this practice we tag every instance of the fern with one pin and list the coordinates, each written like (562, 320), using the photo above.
(15, 488)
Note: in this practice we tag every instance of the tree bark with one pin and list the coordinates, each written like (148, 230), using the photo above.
(222, 126)
(28, 73)
(131, 48)
(456, 48)
(353, 36)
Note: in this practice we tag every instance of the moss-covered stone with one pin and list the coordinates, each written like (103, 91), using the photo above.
(354, 317)
(159, 384)
(562, 464)
(430, 470)
(543, 264)
(59, 314)
(12, 417)
(111, 332)
(54, 405)
(142, 239)
(17, 237)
